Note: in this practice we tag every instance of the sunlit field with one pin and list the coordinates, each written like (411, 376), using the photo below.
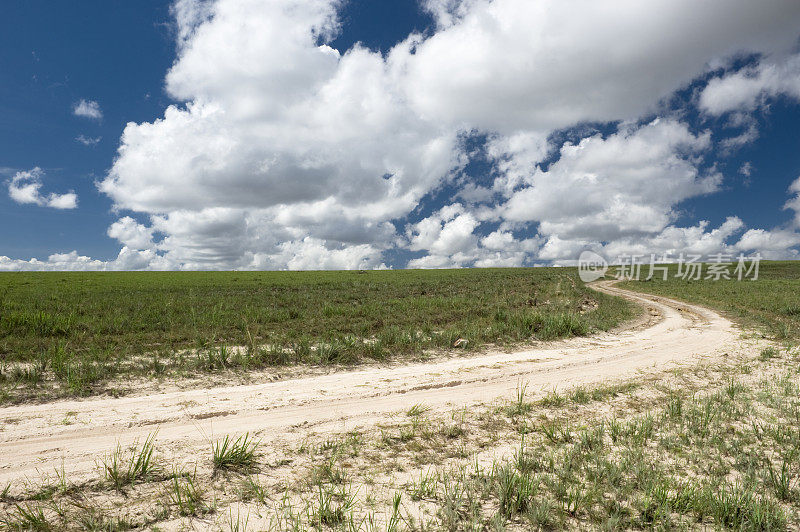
(71, 333)
(707, 445)
(771, 303)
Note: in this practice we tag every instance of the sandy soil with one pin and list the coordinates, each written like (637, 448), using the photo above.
(35, 439)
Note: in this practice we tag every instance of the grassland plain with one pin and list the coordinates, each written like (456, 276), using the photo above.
(71, 333)
(771, 303)
(708, 446)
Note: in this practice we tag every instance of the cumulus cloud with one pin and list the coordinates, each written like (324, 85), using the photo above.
(278, 120)
(794, 202)
(774, 244)
(449, 239)
(315, 254)
(88, 109)
(25, 188)
(282, 152)
(57, 261)
(126, 260)
(284, 135)
(189, 14)
(131, 233)
(506, 65)
(779, 242)
(751, 87)
(447, 12)
(447, 232)
(607, 188)
(618, 195)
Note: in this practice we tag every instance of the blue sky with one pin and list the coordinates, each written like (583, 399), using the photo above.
(316, 134)
(53, 55)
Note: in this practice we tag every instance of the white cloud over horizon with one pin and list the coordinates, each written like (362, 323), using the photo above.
(287, 154)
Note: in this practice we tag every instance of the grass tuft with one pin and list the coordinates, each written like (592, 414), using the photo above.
(236, 454)
(27, 517)
(185, 494)
(123, 468)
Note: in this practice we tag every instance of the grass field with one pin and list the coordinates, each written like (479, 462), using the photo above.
(70, 333)
(771, 303)
(714, 446)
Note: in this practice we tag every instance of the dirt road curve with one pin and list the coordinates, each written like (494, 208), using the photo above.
(36, 438)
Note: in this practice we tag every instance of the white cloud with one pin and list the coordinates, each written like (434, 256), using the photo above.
(283, 135)
(450, 240)
(62, 201)
(448, 12)
(278, 120)
(88, 141)
(58, 261)
(618, 195)
(697, 240)
(126, 260)
(88, 109)
(508, 65)
(607, 188)
(131, 233)
(794, 202)
(286, 153)
(25, 186)
(750, 87)
(779, 242)
(748, 136)
(248, 239)
(671, 242)
(773, 244)
(445, 233)
(189, 14)
(314, 254)
(284, 139)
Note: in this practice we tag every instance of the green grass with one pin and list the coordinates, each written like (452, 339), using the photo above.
(333, 506)
(186, 496)
(417, 410)
(236, 454)
(711, 447)
(123, 468)
(67, 334)
(771, 303)
(691, 460)
(26, 517)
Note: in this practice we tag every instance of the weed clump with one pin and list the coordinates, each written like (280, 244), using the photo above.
(236, 454)
(123, 468)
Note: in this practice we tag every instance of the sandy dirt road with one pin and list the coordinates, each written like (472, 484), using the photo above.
(36, 439)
